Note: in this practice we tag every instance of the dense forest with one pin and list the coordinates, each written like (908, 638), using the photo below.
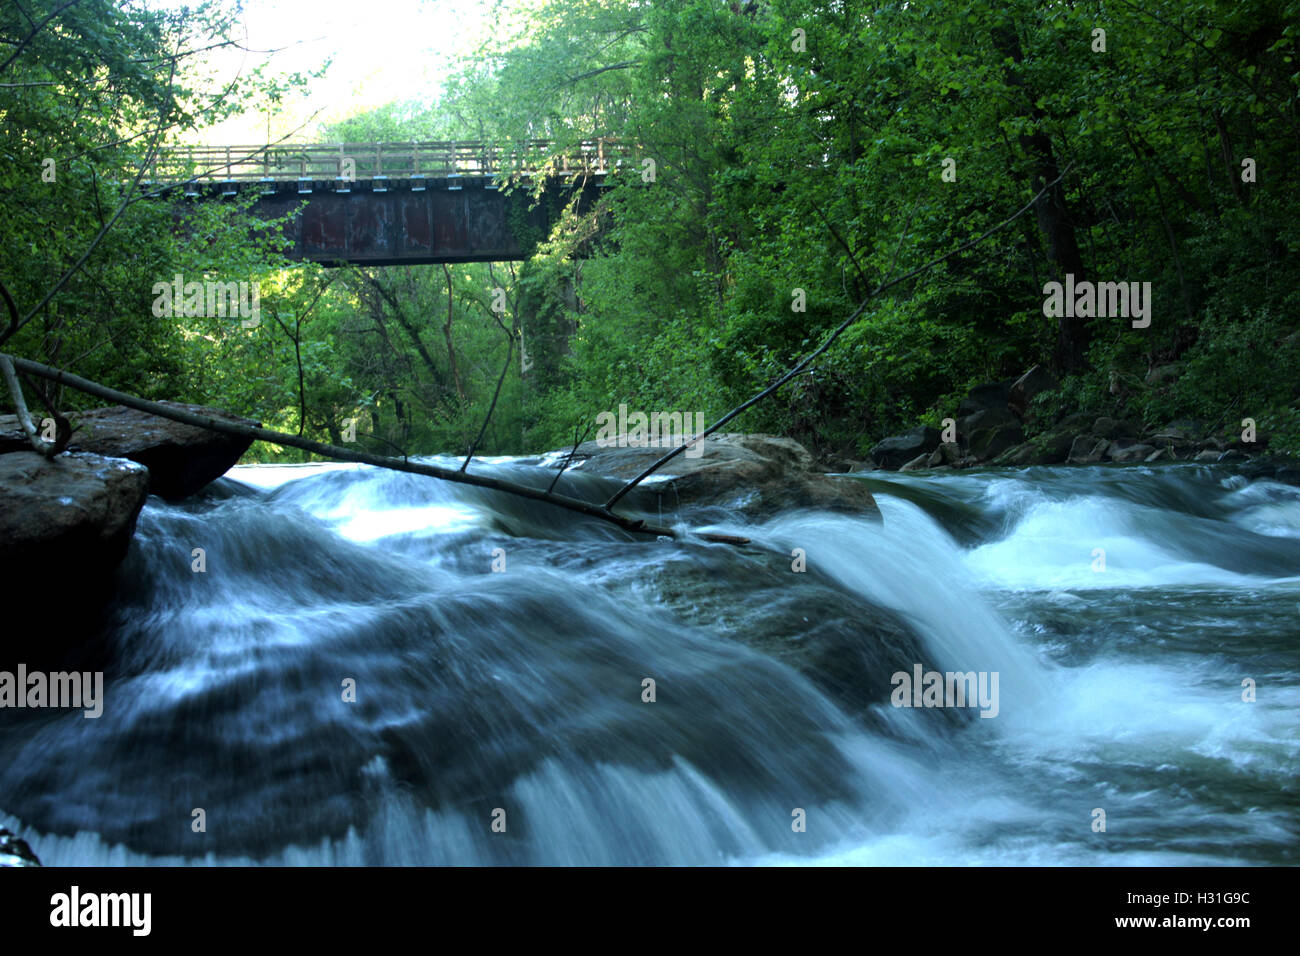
(983, 548)
(791, 156)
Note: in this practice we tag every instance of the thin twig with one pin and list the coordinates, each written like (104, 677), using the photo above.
(578, 439)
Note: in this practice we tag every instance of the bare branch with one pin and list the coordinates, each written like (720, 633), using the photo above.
(578, 439)
(225, 427)
(832, 337)
(48, 449)
(505, 367)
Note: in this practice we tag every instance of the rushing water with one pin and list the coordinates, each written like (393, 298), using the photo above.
(520, 688)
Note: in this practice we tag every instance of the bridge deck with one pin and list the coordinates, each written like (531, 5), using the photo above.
(380, 161)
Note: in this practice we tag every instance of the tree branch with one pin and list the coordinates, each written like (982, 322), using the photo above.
(35, 30)
(47, 449)
(632, 525)
(831, 339)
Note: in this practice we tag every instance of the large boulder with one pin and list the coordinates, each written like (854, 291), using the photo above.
(993, 396)
(990, 432)
(896, 451)
(65, 525)
(760, 474)
(181, 458)
(1023, 391)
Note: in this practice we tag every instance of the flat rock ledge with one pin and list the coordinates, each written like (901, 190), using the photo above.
(181, 459)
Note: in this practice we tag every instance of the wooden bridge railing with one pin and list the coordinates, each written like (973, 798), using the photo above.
(362, 161)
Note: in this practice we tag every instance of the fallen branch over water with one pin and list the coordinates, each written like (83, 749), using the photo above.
(601, 512)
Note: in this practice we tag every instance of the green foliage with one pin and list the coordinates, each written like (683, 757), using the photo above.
(778, 167)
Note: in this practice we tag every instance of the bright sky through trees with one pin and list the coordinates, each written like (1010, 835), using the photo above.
(379, 52)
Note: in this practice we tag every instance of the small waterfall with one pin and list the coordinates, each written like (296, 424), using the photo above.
(499, 652)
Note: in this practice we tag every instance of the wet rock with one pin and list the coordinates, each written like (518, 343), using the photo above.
(1127, 450)
(15, 852)
(1209, 454)
(758, 474)
(1026, 453)
(181, 458)
(1160, 454)
(1088, 449)
(990, 432)
(918, 463)
(946, 454)
(895, 451)
(65, 525)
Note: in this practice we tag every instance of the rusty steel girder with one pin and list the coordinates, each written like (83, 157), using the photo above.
(409, 222)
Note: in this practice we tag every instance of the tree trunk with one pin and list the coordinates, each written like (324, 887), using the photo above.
(1052, 211)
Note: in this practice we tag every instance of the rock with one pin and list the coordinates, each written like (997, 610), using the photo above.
(15, 852)
(845, 466)
(1210, 444)
(759, 474)
(1160, 454)
(1164, 373)
(1127, 450)
(1111, 428)
(947, 453)
(1180, 430)
(1026, 453)
(985, 398)
(1232, 454)
(990, 432)
(181, 458)
(1209, 454)
(919, 463)
(893, 452)
(1088, 450)
(985, 418)
(1027, 386)
(65, 525)
(1054, 446)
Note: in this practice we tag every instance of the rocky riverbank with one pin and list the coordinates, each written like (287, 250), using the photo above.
(996, 425)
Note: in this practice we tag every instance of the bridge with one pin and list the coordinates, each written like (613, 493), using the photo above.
(399, 203)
